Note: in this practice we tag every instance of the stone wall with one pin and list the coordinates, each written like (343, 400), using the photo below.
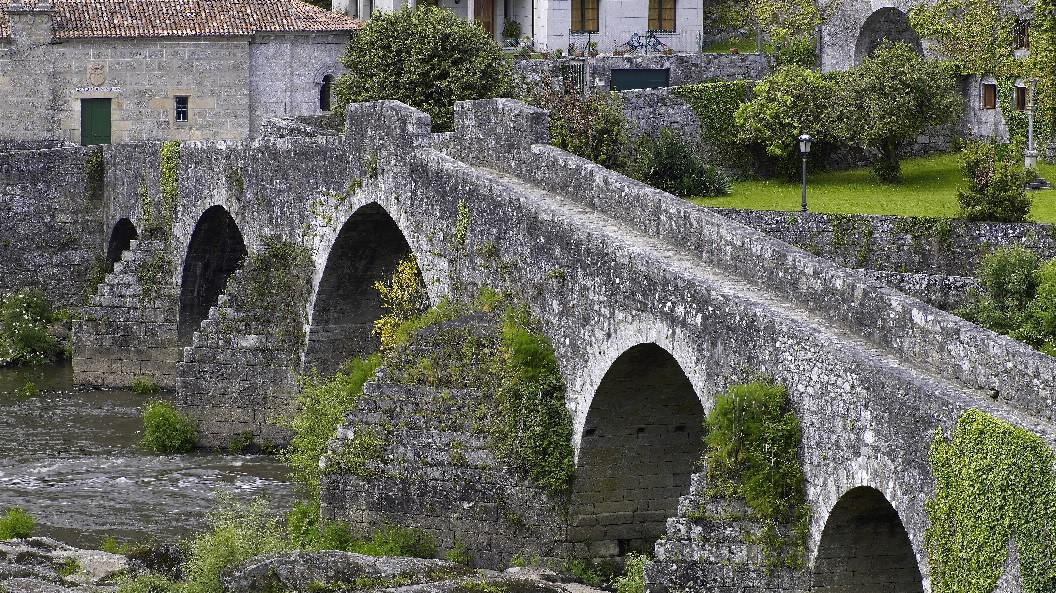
(684, 68)
(51, 230)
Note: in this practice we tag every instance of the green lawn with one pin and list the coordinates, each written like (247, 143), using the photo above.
(929, 189)
(746, 45)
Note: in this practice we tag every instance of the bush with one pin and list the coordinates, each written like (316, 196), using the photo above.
(715, 104)
(426, 57)
(148, 583)
(323, 405)
(16, 523)
(28, 329)
(403, 297)
(670, 164)
(890, 99)
(996, 185)
(145, 386)
(633, 578)
(397, 541)
(237, 532)
(166, 430)
(590, 126)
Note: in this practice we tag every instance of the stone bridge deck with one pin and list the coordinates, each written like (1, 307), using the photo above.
(654, 307)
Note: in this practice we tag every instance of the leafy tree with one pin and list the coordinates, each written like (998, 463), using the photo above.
(789, 26)
(890, 99)
(668, 163)
(792, 101)
(996, 184)
(591, 126)
(425, 57)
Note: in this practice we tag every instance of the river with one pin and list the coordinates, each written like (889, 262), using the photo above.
(70, 457)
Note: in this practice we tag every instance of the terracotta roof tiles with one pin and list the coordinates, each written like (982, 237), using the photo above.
(183, 18)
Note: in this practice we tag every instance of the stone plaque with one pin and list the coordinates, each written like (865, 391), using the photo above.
(96, 74)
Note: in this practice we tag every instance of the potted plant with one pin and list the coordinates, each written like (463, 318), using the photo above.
(592, 48)
(511, 32)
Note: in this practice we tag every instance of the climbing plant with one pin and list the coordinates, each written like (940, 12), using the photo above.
(714, 103)
(995, 485)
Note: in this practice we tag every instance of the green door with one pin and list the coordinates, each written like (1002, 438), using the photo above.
(625, 79)
(95, 121)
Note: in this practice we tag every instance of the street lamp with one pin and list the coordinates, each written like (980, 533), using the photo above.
(804, 151)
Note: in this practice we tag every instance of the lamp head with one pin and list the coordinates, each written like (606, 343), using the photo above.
(804, 144)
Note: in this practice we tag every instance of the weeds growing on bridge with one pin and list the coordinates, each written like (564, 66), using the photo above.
(995, 486)
(30, 329)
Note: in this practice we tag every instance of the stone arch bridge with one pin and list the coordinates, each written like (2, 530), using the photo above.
(654, 306)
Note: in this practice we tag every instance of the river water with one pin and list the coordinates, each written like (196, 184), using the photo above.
(70, 457)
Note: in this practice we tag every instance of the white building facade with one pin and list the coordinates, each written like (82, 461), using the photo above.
(615, 26)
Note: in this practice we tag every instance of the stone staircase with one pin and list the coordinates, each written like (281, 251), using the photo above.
(128, 331)
(710, 547)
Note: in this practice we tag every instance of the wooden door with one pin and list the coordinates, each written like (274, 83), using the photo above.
(95, 121)
(485, 14)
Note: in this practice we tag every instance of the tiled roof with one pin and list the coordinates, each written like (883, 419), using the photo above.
(183, 18)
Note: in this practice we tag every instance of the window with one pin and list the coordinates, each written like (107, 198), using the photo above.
(1021, 35)
(1021, 98)
(662, 15)
(989, 96)
(325, 92)
(585, 16)
(183, 110)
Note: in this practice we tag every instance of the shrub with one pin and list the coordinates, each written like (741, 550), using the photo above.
(591, 126)
(166, 430)
(16, 523)
(403, 297)
(459, 553)
(237, 532)
(394, 540)
(890, 99)
(753, 438)
(996, 185)
(322, 407)
(633, 578)
(670, 164)
(715, 104)
(27, 333)
(426, 57)
(145, 386)
(27, 390)
(148, 583)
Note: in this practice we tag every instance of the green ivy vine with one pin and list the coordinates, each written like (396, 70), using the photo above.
(714, 104)
(158, 219)
(94, 173)
(995, 484)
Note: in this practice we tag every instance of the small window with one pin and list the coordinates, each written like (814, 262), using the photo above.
(1021, 35)
(662, 16)
(325, 92)
(183, 109)
(989, 96)
(1021, 98)
(585, 16)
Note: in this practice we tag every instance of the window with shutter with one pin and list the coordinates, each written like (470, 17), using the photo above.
(989, 96)
(662, 16)
(1021, 98)
(585, 16)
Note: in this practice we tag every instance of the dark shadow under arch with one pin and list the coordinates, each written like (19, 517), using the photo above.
(121, 238)
(865, 548)
(367, 250)
(216, 250)
(886, 24)
(642, 438)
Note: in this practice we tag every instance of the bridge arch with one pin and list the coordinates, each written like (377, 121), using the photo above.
(865, 548)
(886, 24)
(215, 251)
(367, 249)
(121, 237)
(641, 440)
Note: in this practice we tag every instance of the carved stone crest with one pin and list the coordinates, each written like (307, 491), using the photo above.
(96, 74)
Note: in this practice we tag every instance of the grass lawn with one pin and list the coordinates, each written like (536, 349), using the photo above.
(746, 45)
(929, 189)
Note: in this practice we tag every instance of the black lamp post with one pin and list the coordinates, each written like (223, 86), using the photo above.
(804, 151)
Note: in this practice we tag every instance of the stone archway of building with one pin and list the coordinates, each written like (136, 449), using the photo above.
(215, 252)
(641, 441)
(367, 250)
(886, 24)
(865, 548)
(121, 237)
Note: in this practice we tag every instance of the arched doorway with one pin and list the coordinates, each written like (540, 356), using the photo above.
(367, 250)
(641, 441)
(886, 24)
(865, 548)
(121, 238)
(216, 250)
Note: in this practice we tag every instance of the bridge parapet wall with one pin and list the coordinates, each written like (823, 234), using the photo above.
(918, 333)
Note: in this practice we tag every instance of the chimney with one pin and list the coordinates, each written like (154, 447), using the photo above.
(32, 21)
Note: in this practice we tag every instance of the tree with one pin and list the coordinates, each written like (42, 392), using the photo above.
(793, 100)
(789, 26)
(890, 99)
(425, 57)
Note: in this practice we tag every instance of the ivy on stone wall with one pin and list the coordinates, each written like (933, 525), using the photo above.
(995, 485)
(274, 287)
(159, 218)
(1017, 120)
(715, 103)
(94, 173)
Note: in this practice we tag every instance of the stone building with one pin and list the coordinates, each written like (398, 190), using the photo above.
(100, 71)
(564, 24)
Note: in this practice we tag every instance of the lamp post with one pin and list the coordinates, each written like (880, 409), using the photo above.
(804, 151)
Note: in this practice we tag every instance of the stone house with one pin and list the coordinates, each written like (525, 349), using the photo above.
(564, 24)
(99, 71)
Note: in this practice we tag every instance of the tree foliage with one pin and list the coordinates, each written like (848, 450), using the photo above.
(591, 126)
(425, 57)
(975, 35)
(670, 164)
(793, 100)
(890, 99)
